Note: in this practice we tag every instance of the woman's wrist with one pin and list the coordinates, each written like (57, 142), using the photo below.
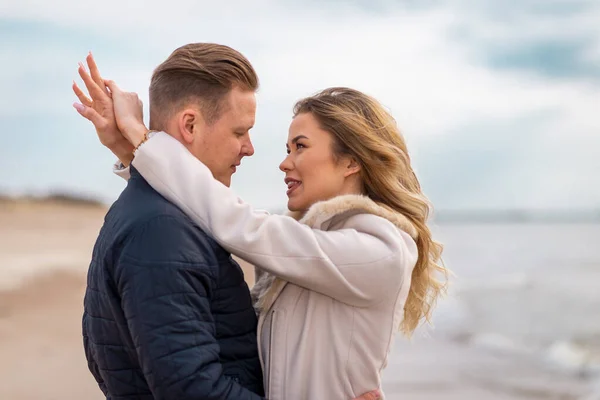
(136, 135)
(147, 135)
(124, 152)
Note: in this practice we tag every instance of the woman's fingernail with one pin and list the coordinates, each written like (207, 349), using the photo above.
(79, 107)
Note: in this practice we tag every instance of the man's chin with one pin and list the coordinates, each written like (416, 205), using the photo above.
(225, 180)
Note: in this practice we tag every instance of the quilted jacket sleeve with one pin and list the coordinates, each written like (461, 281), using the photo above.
(164, 281)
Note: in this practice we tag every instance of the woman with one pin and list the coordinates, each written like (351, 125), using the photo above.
(352, 263)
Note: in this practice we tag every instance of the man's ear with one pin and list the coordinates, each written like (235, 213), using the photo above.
(352, 167)
(189, 122)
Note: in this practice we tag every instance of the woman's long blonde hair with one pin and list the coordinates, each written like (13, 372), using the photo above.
(364, 130)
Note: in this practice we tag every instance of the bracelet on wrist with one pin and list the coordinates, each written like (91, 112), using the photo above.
(144, 139)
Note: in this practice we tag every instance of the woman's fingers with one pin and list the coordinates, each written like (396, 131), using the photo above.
(86, 101)
(95, 72)
(374, 395)
(90, 114)
(112, 86)
(93, 89)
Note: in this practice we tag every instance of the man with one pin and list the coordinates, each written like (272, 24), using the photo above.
(167, 313)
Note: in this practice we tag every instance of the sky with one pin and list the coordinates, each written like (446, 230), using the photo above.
(499, 101)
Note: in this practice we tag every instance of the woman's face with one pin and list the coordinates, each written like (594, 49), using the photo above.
(312, 173)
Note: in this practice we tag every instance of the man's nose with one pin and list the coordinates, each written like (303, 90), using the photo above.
(248, 149)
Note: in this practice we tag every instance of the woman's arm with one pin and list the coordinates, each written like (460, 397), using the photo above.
(356, 266)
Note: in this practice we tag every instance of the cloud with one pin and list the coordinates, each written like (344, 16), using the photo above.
(494, 100)
(553, 38)
(554, 59)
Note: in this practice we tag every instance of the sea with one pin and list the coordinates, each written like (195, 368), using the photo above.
(521, 318)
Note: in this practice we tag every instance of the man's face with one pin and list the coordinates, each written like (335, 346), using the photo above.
(222, 145)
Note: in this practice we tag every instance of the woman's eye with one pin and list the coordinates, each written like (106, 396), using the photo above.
(300, 146)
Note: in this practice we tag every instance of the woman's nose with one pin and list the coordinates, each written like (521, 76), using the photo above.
(286, 164)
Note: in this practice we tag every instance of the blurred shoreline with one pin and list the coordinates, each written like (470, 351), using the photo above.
(483, 347)
(445, 216)
(56, 198)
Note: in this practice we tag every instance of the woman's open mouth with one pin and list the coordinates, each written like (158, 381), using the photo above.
(292, 185)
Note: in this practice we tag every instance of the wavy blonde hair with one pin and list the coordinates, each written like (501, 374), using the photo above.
(363, 129)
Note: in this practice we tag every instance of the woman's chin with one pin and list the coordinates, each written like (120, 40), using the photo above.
(295, 205)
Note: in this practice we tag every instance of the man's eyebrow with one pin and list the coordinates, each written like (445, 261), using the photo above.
(244, 128)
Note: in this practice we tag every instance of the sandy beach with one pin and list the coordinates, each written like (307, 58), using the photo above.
(44, 249)
(44, 253)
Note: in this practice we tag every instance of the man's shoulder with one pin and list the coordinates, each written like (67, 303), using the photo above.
(142, 213)
(140, 202)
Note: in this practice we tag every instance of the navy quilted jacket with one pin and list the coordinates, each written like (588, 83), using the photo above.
(167, 314)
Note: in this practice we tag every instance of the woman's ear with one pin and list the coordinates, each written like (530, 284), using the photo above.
(352, 167)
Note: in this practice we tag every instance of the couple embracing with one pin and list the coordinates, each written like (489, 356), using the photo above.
(167, 313)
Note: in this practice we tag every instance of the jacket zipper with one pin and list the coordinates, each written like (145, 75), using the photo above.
(271, 353)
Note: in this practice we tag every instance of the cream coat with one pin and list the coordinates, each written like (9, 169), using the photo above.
(327, 326)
